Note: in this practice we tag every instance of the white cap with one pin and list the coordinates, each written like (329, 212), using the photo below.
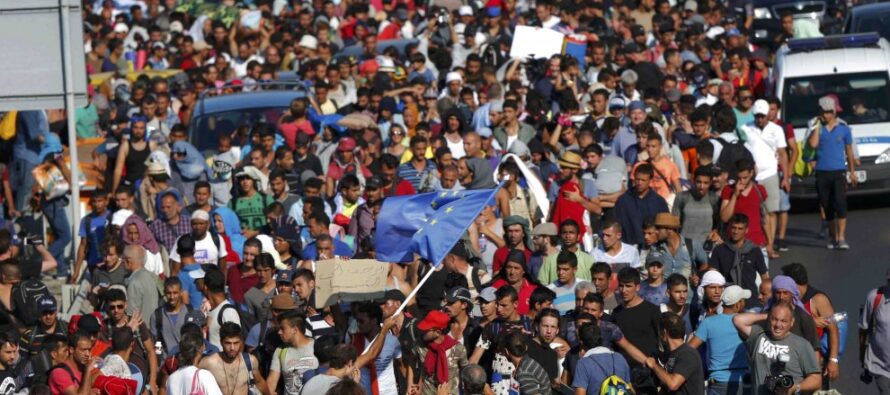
(465, 10)
(121, 27)
(453, 76)
(734, 294)
(712, 277)
(176, 27)
(309, 41)
(761, 107)
(120, 216)
(200, 215)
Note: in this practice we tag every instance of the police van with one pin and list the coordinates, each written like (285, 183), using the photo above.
(855, 68)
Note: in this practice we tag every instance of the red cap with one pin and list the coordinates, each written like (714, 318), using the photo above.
(346, 144)
(434, 320)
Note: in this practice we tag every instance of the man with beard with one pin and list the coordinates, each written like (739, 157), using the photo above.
(72, 373)
(516, 237)
(15, 369)
(235, 370)
(32, 340)
(209, 248)
(638, 204)
(697, 208)
(393, 185)
(295, 122)
(739, 260)
(573, 195)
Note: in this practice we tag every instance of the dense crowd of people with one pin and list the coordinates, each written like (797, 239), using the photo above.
(644, 194)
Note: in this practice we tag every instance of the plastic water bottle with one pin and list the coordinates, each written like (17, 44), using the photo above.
(838, 317)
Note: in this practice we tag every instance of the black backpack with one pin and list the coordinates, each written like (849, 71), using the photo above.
(730, 154)
(26, 296)
(246, 319)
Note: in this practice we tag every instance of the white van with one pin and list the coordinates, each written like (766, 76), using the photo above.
(856, 68)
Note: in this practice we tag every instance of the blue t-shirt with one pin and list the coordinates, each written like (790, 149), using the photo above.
(727, 357)
(593, 369)
(92, 229)
(655, 295)
(831, 152)
(188, 285)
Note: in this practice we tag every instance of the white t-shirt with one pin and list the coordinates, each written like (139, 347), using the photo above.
(154, 263)
(180, 382)
(763, 145)
(457, 149)
(205, 250)
(230, 315)
(628, 255)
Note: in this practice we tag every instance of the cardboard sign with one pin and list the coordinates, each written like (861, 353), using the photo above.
(536, 42)
(349, 280)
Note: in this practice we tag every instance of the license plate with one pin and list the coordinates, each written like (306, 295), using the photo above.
(861, 176)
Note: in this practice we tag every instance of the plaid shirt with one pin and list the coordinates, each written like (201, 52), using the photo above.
(167, 234)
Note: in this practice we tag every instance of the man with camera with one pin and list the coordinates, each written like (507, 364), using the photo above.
(781, 362)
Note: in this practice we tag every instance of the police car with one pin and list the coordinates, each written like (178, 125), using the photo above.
(855, 68)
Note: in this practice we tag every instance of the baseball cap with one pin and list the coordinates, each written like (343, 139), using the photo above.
(629, 77)
(488, 295)
(156, 168)
(308, 41)
(195, 317)
(484, 132)
(673, 95)
(733, 32)
(617, 102)
(458, 293)
(346, 144)
(654, 257)
(690, 5)
(637, 105)
(434, 320)
(545, 229)
(121, 27)
(829, 103)
(47, 304)
(761, 107)
(734, 294)
(392, 294)
(465, 10)
(89, 324)
(284, 276)
(637, 30)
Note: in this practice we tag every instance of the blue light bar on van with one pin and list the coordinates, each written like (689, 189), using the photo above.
(839, 41)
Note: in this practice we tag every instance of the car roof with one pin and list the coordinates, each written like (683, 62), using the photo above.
(830, 61)
(357, 49)
(247, 100)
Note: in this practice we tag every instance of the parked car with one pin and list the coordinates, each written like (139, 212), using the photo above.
(869, 18)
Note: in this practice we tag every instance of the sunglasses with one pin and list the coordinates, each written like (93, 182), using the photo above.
(115, 307)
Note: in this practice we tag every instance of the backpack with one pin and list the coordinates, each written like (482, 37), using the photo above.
(25, 299)
(159, 324)
(731, 153)
(613, 385)
(245, 319)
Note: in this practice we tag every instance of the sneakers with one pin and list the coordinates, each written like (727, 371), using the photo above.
(831, 245)
(823, 231)
(842, 245)
(781, 245)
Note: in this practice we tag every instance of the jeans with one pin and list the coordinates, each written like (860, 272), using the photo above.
(57, 215)
(21, 181)
(883, 384)
(728, 388)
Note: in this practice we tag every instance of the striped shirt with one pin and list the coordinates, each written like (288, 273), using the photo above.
(565, 296)
(531, 378)
(408, 173)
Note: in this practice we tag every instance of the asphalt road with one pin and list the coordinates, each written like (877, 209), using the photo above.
(846, 276)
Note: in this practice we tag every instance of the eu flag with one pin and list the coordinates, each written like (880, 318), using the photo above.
(428, 224)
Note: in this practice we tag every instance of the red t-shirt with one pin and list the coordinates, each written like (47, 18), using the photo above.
(290, 130)
(750, 206)
(500, 258)
(403, 187)
(525, 293)
(239, 283)
(60, 378)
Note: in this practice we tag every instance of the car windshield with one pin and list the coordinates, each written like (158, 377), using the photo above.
(209, 127)
(864, 97)
(875, 22)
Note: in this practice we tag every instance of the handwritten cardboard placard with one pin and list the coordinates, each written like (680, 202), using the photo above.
(349, 280)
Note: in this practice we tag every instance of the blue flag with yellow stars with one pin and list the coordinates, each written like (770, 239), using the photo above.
(428, 224)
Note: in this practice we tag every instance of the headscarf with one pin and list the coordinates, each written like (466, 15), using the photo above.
(268, 246)
(146, 238)
(711, 277)
(193, 164)
(286, 228)
(232, 226)
(483, 176)
(784, 283)
(517, 256)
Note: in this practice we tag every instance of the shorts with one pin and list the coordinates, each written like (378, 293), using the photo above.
(772, 193)
(831, 187)
(784, 201)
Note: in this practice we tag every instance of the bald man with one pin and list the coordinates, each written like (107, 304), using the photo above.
(142, 285)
